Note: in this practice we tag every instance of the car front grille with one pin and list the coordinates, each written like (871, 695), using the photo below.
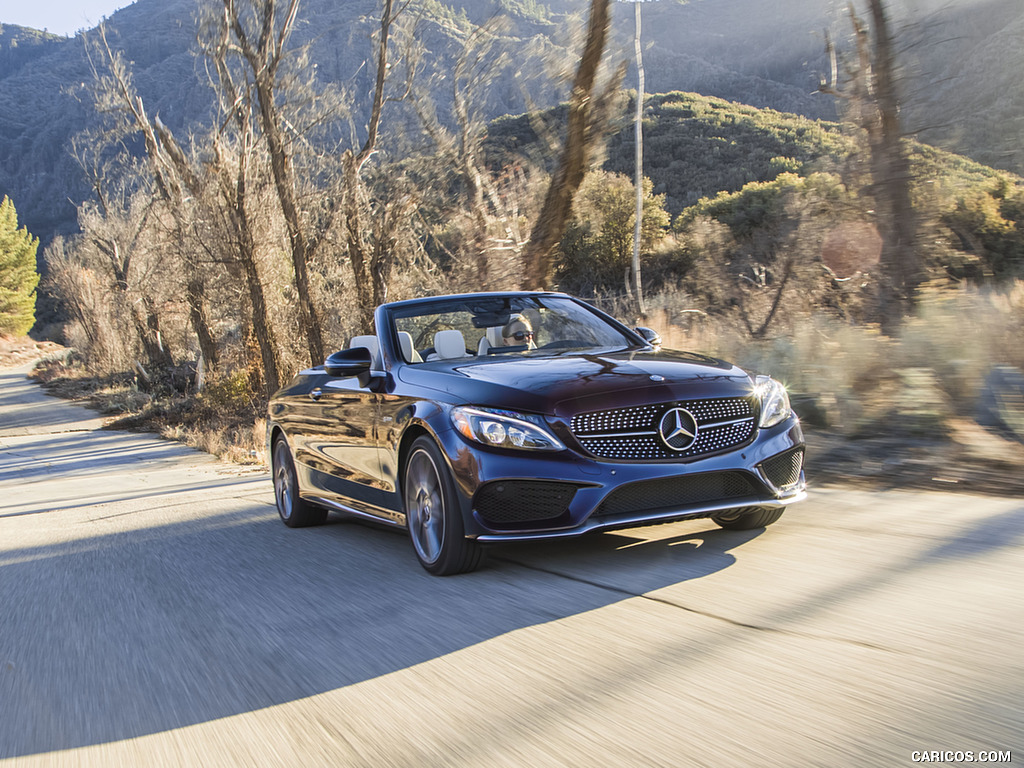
(783, 470)
(633, 433)
(508, 502)
(675, 492)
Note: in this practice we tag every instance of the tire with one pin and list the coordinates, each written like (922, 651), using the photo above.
(295, 512)
(759, 517)
(432, 513)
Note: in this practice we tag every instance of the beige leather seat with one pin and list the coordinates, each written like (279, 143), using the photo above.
(491, 338)
(409, 352)
(448, 345)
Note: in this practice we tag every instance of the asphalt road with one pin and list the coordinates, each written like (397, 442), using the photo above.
(155, 612)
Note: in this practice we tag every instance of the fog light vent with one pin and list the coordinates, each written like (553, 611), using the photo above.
(783, 470)
(523, 501)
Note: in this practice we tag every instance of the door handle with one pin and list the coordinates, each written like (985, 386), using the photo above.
(316, 394)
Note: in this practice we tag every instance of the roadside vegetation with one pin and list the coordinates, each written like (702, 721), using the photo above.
(209, 269)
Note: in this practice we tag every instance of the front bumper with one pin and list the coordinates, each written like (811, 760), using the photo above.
(564, 494)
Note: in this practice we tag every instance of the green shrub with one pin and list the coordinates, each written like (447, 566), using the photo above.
(597, 248)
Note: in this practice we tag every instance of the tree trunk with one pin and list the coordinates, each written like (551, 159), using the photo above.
(891, 177)
(263, 61)
(284, 183)
(371, 271)
(557, 208)
(874, 106)
(261, 343)
(357, 257)
(142, 312)
(170, 169)
(271, 366)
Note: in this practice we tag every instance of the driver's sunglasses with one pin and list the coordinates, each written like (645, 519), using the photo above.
(521, 335)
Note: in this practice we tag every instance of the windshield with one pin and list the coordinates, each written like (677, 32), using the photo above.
(501, 325)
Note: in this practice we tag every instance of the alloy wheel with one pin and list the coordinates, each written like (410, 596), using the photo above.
(425, 506)
(283, 486)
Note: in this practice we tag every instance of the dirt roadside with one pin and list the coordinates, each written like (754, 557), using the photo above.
(18, 351)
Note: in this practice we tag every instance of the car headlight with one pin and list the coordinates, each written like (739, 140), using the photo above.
(774, 401)
(503, 429)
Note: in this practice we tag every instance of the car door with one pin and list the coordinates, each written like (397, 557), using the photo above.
(344, 446)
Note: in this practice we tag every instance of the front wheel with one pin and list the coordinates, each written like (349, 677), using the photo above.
(748, 519)
(294, 511)
(432, 513)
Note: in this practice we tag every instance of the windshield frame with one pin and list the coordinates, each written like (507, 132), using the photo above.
(476, 304)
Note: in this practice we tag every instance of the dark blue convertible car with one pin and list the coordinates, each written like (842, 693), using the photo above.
(495, 417)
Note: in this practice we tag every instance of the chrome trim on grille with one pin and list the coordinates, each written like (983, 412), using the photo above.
(633, 433)
(651, 433)
(726, 422)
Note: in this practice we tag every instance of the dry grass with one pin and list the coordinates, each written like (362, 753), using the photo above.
(238, 443)
(940, 359)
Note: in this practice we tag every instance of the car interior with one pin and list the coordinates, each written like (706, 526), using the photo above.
(449, 344)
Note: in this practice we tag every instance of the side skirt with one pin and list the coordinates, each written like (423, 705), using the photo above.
(366, 511)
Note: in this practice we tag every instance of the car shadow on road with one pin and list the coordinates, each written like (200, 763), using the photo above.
(112, 637)
(146, 630)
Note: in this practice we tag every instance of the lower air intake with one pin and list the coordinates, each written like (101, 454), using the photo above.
(673, 492)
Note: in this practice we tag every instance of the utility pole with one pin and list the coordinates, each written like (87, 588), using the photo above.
(638, 173)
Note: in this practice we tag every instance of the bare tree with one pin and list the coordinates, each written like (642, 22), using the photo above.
(174, 181)
(116, 235)
(371, 253)
(261, 38)
(638, 170)
(232, 170)
(874, 106)
(490, 208)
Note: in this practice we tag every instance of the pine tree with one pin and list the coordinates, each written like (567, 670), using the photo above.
(18, 275)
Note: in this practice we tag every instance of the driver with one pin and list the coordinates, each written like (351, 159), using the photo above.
(517, 332)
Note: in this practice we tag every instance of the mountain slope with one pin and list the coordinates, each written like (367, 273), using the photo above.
(741, 50)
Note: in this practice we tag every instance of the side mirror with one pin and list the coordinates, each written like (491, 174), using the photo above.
(349, 362)
(650, 335)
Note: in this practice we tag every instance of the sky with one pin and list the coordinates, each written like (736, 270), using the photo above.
(62, 17)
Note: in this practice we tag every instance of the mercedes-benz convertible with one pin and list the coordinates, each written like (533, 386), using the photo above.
(478, 419)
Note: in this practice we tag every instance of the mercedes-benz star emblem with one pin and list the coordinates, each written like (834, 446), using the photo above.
(678, 429)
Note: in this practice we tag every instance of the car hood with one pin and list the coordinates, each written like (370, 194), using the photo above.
(572, 382)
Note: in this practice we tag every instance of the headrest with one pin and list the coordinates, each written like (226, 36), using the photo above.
(449, 344)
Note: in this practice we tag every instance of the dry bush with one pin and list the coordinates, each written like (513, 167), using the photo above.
(237, 443)
(853, 378)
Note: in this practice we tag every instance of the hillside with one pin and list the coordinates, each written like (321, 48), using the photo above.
(966, 91)
(20, 45)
